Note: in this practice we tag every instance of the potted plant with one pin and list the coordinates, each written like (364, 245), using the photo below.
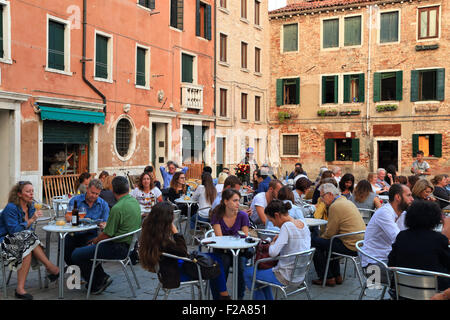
(387, 107)
(350, 113)
(283, 115)
(327, 113)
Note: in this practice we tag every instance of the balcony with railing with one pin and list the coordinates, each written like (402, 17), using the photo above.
(191, 96)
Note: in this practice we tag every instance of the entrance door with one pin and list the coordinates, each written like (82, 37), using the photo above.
(5, 162)
(220, 154)
(160, 151)
(387, 154)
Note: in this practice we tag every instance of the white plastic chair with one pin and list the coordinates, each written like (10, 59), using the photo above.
(302, 264)
(416, 284)
(124, 262)
(366, 214)
(200, 283)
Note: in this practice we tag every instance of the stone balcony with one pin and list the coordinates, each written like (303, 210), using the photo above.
(191, 96)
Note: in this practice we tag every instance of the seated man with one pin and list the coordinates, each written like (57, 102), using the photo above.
(124, 217)
(384, 226)
(96, 209)
(381, 174)
(232, 182)
(260, 202)
(343, 217)
(263, 178)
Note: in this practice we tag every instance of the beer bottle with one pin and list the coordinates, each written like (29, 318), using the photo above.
(75, 216)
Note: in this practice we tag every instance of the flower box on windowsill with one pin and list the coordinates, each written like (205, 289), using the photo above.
(325, 113)
(283, 116)
(387, 107)
(350, 113)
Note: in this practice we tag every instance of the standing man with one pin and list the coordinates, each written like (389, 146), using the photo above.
(124, 217)
(249, 154)
(420, 167)
(167, 176)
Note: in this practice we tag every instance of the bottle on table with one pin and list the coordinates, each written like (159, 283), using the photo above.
(75, 215)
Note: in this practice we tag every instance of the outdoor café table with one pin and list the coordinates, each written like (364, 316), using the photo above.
(63, 231)
(311, 222)
(234, 244)
(384, 198)
(189, 204)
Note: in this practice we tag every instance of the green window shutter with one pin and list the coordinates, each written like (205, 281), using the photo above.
(415, 144)
(336, 89)
(290, 37)
(208, 22)
(414, 85)
(355, 150)
(352, 31)
(440, 84)
(179, 5)
(376, 87)
(140, 67)
(152, 4)
(329, 150)
(56, 45)
(101, 57)
(2, 54)
(361, 87)
(324, 84)
(280, 92)
(297, 93)
(399, 85)
(331, 33)
(389, 27)
(346, 88)
(187, 62)
(173, 13)
(437, 152)
(197, 19)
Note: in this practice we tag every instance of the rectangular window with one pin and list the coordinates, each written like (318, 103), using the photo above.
(257, 60)
(388, 86)
(244, 55)
(203, 20)
(223, 3)
(176, 14)
(223, 102)
(389, 27)
(187, 68)
(141, 67)
(290, 37)
(257, 108)
(244, 9)
(352, 32)
(430, 144)
(354, 88)
(329, 89)
(244, 106)
(290, 145)
(428, 22)
(288, 91)
(150, 4)
(223, 47)
(428, 85)
(342, 149)
(257, 14)
(56, 44)
(331, 33)
(101, 57)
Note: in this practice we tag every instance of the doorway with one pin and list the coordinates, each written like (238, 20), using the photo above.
(387, 153)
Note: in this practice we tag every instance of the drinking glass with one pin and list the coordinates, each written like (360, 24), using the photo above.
(69, 212)
(82, 212)
(37, 205)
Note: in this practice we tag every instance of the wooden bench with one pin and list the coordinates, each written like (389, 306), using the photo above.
(59, 185)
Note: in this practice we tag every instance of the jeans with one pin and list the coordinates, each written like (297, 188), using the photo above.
(200, 218)
(109, 250)
(267, 275)
(320, 256)
(76, 241)
(226, 260)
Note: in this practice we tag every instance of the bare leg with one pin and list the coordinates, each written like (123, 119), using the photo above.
(22, 274)
(39, 254)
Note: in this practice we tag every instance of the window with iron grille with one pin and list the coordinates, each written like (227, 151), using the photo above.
(290, 145)
(123, 136)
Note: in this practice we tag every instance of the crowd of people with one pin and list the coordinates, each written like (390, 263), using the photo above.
(400, 232)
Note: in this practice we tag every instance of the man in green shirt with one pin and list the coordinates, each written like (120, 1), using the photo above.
(123, 218)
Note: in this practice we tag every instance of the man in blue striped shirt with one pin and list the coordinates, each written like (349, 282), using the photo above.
(168, 175)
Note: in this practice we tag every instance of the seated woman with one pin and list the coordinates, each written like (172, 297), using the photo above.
(159, 235)
(419, 246)
(18, 239)
(146, 193)
(346, 185)
(423, 190)
(106, 193)
(227, 220)
(151, 171)
(302, 186)
(364, 197)
(440, 192)
(205, 194)
(294, 236)
(220, 181)
(412, 181)
(83, 182)
(103, 176)
(285, 194)
(372, 178)
(321, 209)
(178, 188)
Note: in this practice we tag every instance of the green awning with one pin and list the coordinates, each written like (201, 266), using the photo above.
(73, 115)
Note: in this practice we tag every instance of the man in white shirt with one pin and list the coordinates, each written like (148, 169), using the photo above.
(260, 202)
(420, 167)
(384, 226)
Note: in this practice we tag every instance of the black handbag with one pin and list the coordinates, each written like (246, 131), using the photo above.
(209, 268)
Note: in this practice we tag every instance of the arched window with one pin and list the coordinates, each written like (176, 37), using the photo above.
(123, 136)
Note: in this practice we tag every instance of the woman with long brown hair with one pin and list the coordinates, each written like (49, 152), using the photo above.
(204, 195)
(159, 235)
(146, 193)
(364, 197)
(440, 181)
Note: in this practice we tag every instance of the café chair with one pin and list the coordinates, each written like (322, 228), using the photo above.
(204, 226)
(124, 262)
(200, 283)
(366, 214)
(359, 245)
(416, 284)
(355, 259)
(302, 263)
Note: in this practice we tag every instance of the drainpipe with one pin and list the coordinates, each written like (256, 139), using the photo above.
(84, 60)
(215, 84)
(369, 69)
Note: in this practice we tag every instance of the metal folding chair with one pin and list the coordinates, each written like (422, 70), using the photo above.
(302, 263)
(124, 262)
(355, 259)
(366, 214)
(206, 225)
(200, 283)
(416, 284)
(385, 286)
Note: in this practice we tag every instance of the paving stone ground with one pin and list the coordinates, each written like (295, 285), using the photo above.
(119, 289)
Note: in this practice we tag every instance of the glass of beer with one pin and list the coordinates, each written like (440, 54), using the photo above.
(82, 212)
(69, 213)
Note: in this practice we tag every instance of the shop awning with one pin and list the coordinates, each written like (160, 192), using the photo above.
(73, 115)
